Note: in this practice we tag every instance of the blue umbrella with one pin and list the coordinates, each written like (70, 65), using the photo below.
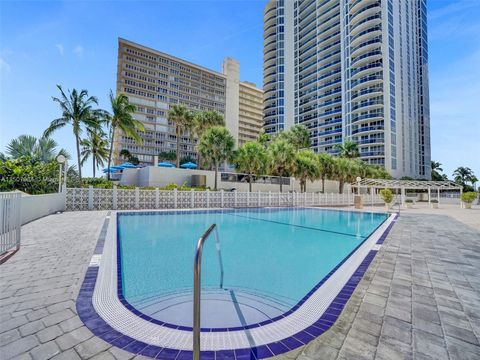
(166, 164)
(112, 169)
(126, 165)
(189, 165)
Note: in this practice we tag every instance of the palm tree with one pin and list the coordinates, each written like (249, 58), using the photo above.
(43, 149)
(298, 136)
(263, 138)
(202, 121)
(436, 169)
(77, 110)
(95, 146)
(305, 168)
(462, 175)
(182, 117)
(216, 146)
(281, 154)
(121, 118)
(251, 159)
(348, 149)
(325, 165)
(342, 169)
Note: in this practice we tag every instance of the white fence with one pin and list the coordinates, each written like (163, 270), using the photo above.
(120, 199)
(10, 221)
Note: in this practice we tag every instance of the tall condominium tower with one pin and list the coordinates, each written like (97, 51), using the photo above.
(153, 81)
(351, 70)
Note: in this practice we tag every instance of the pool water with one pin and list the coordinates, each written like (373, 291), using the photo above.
(272, 258)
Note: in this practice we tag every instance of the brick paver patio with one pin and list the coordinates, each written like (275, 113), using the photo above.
(419, 299)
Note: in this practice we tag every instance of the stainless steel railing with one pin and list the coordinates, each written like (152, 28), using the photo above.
(197, 272)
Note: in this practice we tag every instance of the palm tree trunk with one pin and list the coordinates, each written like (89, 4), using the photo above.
(78, 157)
(323, 184)
(93, 162)
(340, 186)
(177, 130)
(250, 183)
(110, 152)
(281, 183)
(216, 175)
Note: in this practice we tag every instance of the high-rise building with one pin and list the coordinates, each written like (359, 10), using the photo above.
(351, 70)
(153, 81)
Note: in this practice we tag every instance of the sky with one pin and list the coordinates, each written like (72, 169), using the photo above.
(74, 44)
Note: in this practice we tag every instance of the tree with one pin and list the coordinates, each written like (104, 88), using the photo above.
(77, 110)
(325, 165)
(305, 168)
(182, 117)
(251, 159)
(463, 175)
(281, 155)
(216, 145)
(121, 118)
(43, 149)
(348, 149)
(298, 136)
(96, 147)
(202, 121)
(263, 138)
(436, 169)
(167, 156)
(342, 171)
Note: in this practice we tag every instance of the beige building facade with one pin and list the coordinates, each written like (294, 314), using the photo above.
(154, 81)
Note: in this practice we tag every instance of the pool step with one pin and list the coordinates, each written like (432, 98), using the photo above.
(220, 307)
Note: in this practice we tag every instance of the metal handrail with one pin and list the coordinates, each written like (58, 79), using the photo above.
(197, 271)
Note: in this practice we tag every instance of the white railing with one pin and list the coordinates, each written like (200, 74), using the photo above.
(10, 221)
(122, 199)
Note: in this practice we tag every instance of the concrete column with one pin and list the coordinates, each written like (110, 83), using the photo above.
(429, 195)
(157, 198)
(192, 198)
(403, 196)
(137, 198)
(438, 195)
(114, 197)
(208, 198)
(175, 196)
(269, 198)
(221, 198)
(90, 197)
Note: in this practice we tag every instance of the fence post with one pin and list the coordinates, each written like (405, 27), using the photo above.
(248, 198)
(90, 197)
(174, 198)
(269, 198)
(114, 197)
(157, 198)
(192, 198)
(137, 198)
(221, 198)
(208, 198)
(235, 199)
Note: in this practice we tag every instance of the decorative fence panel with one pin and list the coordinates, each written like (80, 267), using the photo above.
(10, 221)
(131, 199)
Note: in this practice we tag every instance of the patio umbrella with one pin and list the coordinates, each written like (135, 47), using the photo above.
(166, 164)
(189, 165)
(126, 165)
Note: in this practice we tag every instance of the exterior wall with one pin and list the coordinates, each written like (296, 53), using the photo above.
(36, 206)
(151, 176)
(250, 121)
(359, 72)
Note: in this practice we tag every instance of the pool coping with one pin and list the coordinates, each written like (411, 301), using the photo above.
(94, 321)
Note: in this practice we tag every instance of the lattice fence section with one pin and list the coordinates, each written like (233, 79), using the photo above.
(130, 199)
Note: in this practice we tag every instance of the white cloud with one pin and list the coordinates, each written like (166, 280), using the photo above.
(78, 50)
(60, 48)
(4, 66)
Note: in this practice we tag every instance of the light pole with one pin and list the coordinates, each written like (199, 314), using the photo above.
(61, 160)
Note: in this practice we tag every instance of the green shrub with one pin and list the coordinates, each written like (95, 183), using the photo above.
(409, 201)
(468, 197)
(386, 195)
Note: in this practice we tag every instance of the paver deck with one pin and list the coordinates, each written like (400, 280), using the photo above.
(420, 298)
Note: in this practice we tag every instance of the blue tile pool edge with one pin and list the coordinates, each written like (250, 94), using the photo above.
(101, 329)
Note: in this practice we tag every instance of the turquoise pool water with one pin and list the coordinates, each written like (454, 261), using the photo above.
(272, 259)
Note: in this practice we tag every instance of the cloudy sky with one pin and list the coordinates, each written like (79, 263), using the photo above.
(75, 44)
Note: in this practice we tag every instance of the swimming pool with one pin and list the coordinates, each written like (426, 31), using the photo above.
(289, 273)
(272, 259)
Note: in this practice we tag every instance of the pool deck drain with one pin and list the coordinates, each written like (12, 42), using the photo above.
(419, 298)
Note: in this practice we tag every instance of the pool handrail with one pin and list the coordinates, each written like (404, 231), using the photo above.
(197, 270)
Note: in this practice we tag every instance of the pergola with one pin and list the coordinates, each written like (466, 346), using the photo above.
(403, 185)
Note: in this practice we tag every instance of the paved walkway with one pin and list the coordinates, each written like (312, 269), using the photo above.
(419, 299)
